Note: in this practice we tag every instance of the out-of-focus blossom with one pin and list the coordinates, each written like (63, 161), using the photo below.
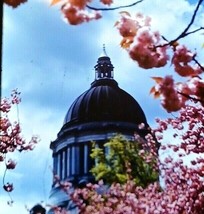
(182, 61)
(75, 16)
(8, 187)
(10, 164)
(107, 2)
(141, 43)
(14, 3)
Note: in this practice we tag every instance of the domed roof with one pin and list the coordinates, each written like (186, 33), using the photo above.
(105, 101)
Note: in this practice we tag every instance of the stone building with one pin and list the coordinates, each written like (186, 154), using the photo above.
(98, 114)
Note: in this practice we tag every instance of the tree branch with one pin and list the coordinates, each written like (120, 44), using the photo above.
(114, 8)
(190, 97)
(196, 61)
(185, 32)
(194, 31)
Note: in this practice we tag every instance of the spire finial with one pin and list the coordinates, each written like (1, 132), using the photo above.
(104, 50)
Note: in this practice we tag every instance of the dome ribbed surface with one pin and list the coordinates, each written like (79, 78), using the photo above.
(105, 101)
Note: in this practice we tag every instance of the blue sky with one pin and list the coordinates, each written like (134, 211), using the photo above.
(52, 63)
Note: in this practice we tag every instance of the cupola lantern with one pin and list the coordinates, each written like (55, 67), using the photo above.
(104, 67)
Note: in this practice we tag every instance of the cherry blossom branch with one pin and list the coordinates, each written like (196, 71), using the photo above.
(190, 97)
(172, 43)
(194, 31)
(4, 176)
(196, 61)
(7, 187)
(185, 32)
(114, 8)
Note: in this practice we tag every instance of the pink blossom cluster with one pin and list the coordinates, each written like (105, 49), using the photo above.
(141, 42)
(150, 50)
(107, 2)
(75, 14)
(149, 151)
(144, 52)
(170, 99)
(196, 85)
(190, 121)
(58, 210)
(5, 105)
(10, 134)
(76, 11)
(128, 26)
(10, 164)
(182, 61)
(14, 3)
(183, 184)
(175, 95)
(177, 198)
(8, 187)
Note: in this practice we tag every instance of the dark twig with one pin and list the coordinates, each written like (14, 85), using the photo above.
(114, 8)
(4, 176)
(185, 32)
(3, 180)
(190, 97)
(196, 61)
(194, 31)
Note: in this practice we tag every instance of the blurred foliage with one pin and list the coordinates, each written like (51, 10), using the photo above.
(119, 160)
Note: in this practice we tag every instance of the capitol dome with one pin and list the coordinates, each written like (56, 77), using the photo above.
(105, 101)
(97, 115)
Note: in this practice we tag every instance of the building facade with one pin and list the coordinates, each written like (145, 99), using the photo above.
(97, 115)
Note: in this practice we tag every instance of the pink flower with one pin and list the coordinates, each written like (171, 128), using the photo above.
(144, 51)
(107, 2)
(10, 164)
(75, 15)
(79, 3)
(141, 43)
(14, 3)
(8, 187)
(127, 26)
(170, 99)
(181, 60)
